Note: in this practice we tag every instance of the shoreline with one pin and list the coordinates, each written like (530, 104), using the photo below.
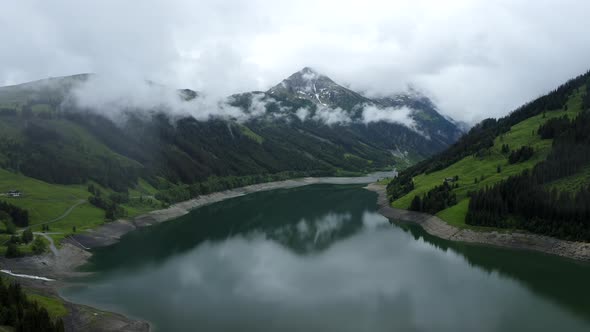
(110, 233)
(74, 251)
(433, 225)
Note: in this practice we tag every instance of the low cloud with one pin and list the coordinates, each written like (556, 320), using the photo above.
(512, 51)
(331, 116)
(114, 97)
(259, 105)
(302, 114)
(402, 115)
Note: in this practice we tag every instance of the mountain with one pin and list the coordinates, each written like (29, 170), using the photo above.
(528, 170)
(319, 89)
(306, 125)
(310, 85)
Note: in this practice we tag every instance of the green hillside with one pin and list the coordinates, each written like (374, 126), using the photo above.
(484, 168)
(77, 168)
(479, 165)
(63, 207)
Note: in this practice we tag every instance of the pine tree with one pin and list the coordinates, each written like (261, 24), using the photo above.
(39, 246)
(12, 250)
(27, 235)
(416, 204)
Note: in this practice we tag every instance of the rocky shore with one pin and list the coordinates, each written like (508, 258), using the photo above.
(110, 233)
(516, 240)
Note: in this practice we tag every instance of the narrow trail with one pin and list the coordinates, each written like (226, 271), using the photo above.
(52, 246)
(65, 214)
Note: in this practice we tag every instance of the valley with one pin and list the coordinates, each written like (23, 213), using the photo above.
(80, 182)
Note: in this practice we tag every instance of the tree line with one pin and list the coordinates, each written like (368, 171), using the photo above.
(437, 199)
(19, 216)
(523, 154)
(178, 193)
(111, 204)
(481, 136)
(523, 201)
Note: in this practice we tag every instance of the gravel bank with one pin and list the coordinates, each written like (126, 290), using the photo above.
(110, 233)
(517, 240)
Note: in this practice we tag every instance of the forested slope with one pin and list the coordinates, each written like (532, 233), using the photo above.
(524, 171)
(85, 165)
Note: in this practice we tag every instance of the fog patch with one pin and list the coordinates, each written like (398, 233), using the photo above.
(302, 113)
(331, 116)
(402, 115)
(114, 97)
(259, 104)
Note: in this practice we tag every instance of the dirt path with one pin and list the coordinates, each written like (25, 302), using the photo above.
(51, 243)
(516, 240)
(65, 214)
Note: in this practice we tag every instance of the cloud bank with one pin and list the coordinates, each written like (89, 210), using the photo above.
(475, 58)
(114, 97)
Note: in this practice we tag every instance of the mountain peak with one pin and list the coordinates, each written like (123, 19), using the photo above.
(306, 70)
(313, 86)
(307, 76)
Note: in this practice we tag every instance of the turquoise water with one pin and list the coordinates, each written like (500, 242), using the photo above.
(320, 258)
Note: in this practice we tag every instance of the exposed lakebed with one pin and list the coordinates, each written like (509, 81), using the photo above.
(320, 258)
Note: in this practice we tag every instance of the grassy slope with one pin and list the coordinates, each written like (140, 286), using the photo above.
(470, 168)
(54, 305)
(46, 202)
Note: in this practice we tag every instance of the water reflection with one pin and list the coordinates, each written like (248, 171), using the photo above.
(321, 258)
(559, 279)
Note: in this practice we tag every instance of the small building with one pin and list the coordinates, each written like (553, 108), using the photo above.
(14, 193)
(449, 179)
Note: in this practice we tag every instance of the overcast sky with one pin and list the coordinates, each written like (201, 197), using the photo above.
(475, 58)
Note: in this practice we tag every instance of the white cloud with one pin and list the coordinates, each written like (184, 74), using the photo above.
(259, 104)
(372, 113)
(302, 113)
(477, 58)
(331, 116)
(113, 96)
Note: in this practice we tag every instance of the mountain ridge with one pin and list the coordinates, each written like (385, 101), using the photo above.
(171, 150)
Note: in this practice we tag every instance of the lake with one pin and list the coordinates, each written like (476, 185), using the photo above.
(320, 258)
